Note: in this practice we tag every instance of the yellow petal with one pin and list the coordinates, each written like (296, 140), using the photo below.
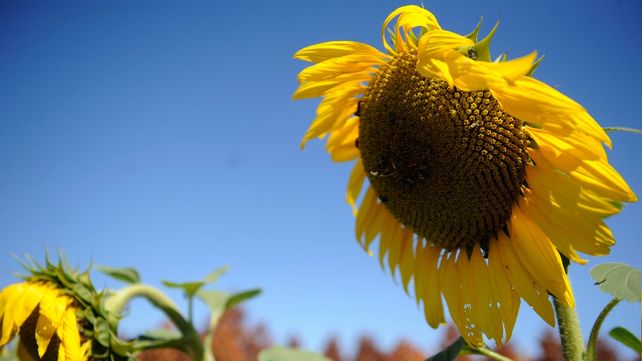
(501, 287)
(317, 88)
(406, 261)
(20, 305)
(525, 284)
(537, 103)
(595, 175)
(389, 237)
(433, 307)
(485, 303)
(435, 54)
(468, 303)
(341, 143)
(337, 66)
(408, 17)
(69, 336)
(394, 258)
(44, 332)
(438, 43)
(365, 212)
(439, 57)
(471, 75)
(332, 49)
(579, 145)
(539, 257)
(372, 226)
(333, 111)
(8, 297)
(451, 289)
(355, 183)
(52, 309)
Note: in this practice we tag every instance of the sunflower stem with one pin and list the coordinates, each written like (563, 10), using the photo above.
(119, 299)
(591, 348)
(570, 332)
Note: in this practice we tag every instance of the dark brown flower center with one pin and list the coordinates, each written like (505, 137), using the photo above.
(446, 163)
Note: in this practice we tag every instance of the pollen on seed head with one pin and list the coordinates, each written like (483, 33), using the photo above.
(450, 164)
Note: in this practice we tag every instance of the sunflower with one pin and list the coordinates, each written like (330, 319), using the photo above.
(59, 316)
(45, 319)
(482, 180)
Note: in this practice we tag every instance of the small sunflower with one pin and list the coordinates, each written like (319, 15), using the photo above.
(59, 316)
(45, 319)
(479, 175)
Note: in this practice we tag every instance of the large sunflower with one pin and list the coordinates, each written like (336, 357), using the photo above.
(479, 175)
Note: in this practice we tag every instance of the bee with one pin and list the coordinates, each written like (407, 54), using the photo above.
(472, 53)
(385, 168)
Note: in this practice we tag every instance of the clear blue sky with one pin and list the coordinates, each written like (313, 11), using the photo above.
(162, 135)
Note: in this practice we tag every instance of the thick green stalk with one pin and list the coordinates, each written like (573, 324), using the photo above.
(570, 332)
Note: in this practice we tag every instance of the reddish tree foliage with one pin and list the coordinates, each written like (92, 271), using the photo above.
(234, 341)
(368, 350)
(332, 350)
(404, 351)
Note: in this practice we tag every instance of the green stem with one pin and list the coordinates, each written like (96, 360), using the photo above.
(485, 352)
(570, 332)
(190, 307)
(591, 348)
(117, 302)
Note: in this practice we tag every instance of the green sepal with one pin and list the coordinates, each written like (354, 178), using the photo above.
(473, 35)
(535, 66)
(627, 338)
(278, 353)
(501, 58)
(481, 49)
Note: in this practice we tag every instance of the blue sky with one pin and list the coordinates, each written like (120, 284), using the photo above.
(163, 136)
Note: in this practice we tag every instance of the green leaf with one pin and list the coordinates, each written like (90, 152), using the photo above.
(216, 274)
(215, 300)
(278, 353)
(622, 129)
(627, 338)
(449, 353)
(125, 274)
(190, 288)
(237, 298)
(618, 279)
